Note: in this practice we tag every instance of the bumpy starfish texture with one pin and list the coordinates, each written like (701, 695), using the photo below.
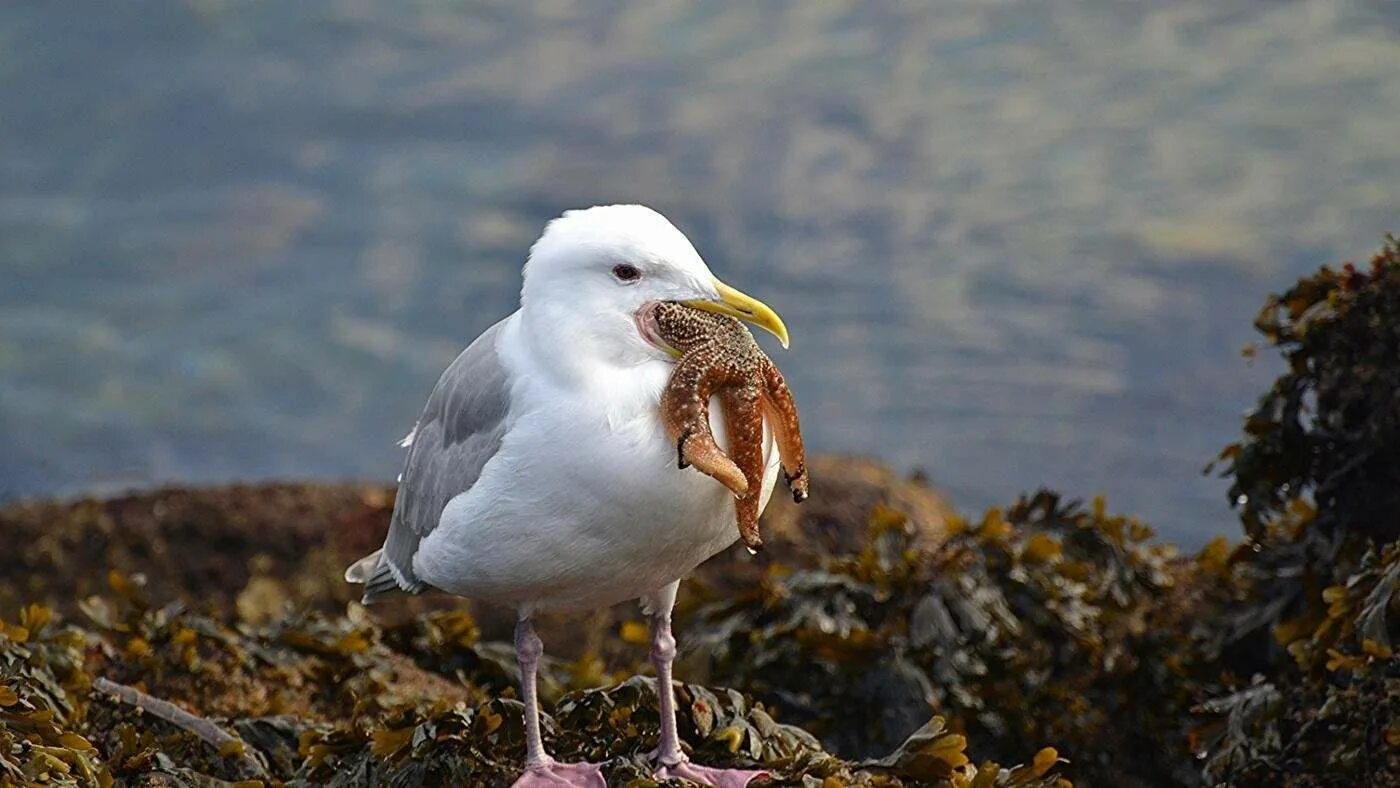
(719, 357)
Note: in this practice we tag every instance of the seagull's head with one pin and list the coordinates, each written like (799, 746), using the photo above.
(594, 273)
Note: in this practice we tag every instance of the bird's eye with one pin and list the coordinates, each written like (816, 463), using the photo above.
(626, 273)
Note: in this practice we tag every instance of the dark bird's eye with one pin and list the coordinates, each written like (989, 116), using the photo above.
(626, 273)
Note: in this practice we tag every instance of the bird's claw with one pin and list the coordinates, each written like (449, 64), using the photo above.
(705, 775)
(552, 774)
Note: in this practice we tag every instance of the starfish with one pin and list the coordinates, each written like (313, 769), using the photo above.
(717, 356)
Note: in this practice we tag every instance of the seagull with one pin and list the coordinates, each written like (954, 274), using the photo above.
(540, 474)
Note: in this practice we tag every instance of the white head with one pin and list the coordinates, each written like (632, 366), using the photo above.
(592, 273)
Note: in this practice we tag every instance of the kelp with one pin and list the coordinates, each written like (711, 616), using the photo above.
(1328, 429)
(1317, 482)
(41, 685)
(1041, 623)
(323, 700)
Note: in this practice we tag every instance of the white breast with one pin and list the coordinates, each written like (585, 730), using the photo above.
(584, 505)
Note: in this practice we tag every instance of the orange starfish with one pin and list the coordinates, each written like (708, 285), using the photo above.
(717, 356)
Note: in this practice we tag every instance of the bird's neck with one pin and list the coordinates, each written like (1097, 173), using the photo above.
(598, 353)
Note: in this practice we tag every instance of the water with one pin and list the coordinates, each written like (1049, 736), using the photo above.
(1017, 243)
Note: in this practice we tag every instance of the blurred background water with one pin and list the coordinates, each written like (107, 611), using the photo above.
(1018, 242)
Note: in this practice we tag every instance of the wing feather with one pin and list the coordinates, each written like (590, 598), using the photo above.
(459, 432)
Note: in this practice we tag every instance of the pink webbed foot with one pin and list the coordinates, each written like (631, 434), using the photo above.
(706, 775)
(552, 774)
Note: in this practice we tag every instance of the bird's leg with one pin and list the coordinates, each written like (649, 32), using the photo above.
(743, 425)
(663, 653)
(782, 418)
(528, 650)
(671, 761)
(542, 771)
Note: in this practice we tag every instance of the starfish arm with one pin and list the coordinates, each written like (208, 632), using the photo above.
(685, 411)
(782, 418)
(743, 422)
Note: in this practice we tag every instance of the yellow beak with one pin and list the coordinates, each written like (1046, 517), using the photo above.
(736, 304)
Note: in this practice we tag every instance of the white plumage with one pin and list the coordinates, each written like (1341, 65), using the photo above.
(583, 505)
(540, 474)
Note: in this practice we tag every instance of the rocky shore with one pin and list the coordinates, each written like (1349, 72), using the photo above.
(191, 636)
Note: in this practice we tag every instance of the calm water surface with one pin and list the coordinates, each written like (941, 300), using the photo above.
(1018, 243)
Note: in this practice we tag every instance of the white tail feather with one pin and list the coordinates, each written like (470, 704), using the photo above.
(362, 570)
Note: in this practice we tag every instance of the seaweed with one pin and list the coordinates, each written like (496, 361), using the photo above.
(324, 700)
(1328, 429)
(1040, 623)
(1317, 482)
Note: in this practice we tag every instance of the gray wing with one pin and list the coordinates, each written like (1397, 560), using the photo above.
(459, 432)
